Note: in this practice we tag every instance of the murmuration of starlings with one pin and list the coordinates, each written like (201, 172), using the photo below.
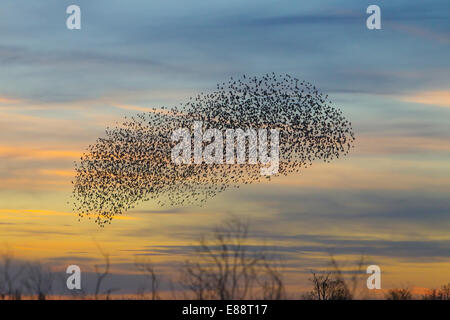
(133, 162)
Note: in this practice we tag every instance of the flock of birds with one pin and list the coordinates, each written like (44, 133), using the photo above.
(133, 164)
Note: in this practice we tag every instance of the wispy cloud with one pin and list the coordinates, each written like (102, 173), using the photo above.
(6, 100)
(144, 109)
(437, 98)
(421, 32)
(23, 152)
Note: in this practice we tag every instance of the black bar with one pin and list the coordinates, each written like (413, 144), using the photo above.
(176, 309)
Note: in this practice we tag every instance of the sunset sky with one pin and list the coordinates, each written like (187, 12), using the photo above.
(387, 200)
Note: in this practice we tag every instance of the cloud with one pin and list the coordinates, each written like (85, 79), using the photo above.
(163, 211)
(321, 18)
(293, 247)
(422, 32)
(34, 212)
(436, 98)
(362, 174)
(60, 173)
(23, 152)
(29, 213)
(6, 100)
(163, 48)
(371, 144)
(411, 249)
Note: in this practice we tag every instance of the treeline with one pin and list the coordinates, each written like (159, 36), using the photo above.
(225, 266)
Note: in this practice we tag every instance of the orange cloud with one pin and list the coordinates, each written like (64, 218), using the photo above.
(438, 98)
(21, 152)
(8, 100)
(376, 145)
(35, 212)
(60, 173)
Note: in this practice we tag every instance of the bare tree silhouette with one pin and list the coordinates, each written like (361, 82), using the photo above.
(148, 270)
(399, 294)
(9, 282)
(101, 275)
(327, 287)
(225, 267)
(38, 280)
(272, 283)
(438, 294)
(332, 285)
